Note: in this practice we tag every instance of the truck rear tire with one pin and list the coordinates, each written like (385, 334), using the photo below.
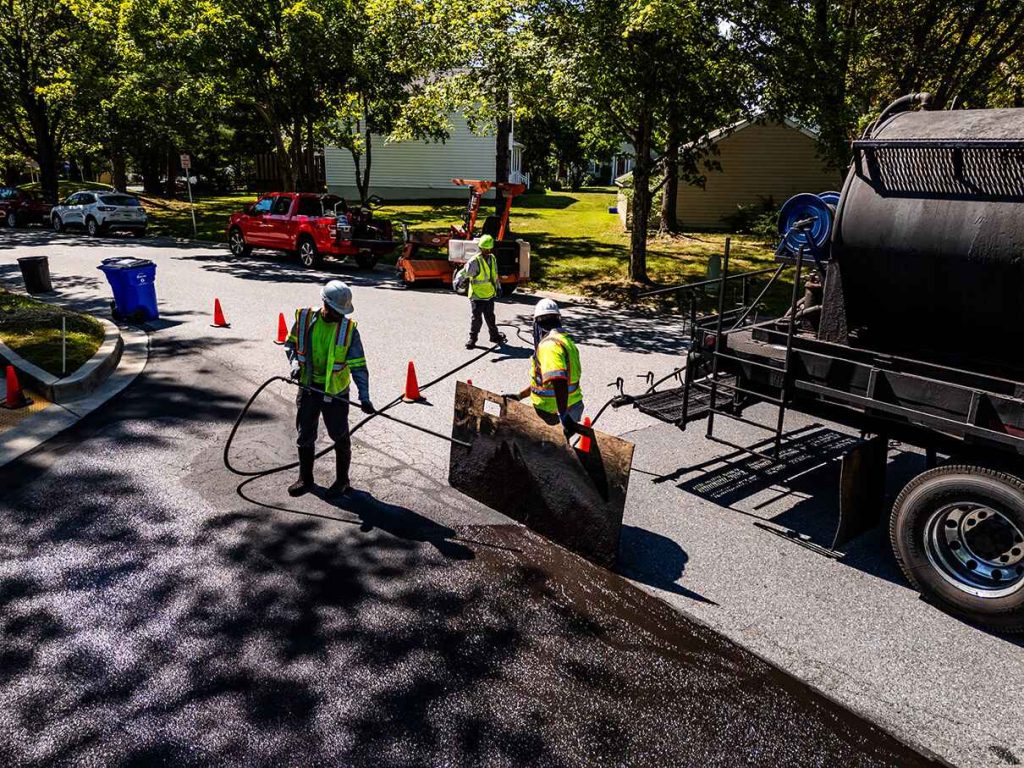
(507, 289)
(957, 532)
(366, 260)
(309, 256)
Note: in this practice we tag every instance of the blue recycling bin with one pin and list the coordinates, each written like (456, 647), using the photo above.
(134, 284)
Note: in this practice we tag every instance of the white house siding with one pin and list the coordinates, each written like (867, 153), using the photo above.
(411, 170)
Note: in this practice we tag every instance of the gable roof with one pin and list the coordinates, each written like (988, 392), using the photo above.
(729, 130)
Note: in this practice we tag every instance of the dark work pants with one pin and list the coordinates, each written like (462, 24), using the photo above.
(482, 309)
(311, 405)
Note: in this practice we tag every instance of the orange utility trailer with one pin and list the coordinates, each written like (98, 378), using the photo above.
(434, 257)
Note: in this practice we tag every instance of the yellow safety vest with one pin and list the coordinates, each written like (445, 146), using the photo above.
(339, 375)
(485, 284)
(557, 357)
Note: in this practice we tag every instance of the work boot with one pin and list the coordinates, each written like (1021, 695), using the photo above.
(342, 460)
(305, 482)
(470, 343)
(498, 338)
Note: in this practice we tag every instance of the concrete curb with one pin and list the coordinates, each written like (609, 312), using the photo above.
(80, 383)
(37, 429)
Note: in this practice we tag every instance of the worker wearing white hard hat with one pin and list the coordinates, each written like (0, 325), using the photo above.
(326, 355)
(555, 370)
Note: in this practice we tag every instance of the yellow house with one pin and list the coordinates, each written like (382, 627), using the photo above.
(759, 161)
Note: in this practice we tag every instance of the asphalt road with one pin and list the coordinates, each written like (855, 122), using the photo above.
(155, 613)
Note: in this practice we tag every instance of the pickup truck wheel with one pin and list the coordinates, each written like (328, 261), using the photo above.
(237, 245)
(12, 219)
(958, 534)
(93, 227)
(58, 224)
(366, 260)
(308, 254)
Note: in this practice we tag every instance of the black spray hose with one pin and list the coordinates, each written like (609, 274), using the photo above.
(379, 412)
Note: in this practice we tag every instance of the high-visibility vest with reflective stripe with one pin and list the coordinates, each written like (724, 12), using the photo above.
(485, 284)
(338, 373)
(557, 357)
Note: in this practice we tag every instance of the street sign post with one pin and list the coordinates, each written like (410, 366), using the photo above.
(186, 165)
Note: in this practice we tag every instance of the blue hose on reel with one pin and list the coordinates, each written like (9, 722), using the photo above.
(805, 220)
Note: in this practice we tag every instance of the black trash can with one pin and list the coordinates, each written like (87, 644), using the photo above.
(35, 270)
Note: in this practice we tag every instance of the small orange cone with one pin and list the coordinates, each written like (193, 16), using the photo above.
(412, 387)
(584, 444)
(282, 329)
(15, 397)
(218, 316)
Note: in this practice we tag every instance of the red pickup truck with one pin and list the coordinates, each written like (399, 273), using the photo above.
(19, 208)
(312, 226)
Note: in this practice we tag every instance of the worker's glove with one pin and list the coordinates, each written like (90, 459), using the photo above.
(510, 395)
(367, 407)
(569, 425)
(295, 371)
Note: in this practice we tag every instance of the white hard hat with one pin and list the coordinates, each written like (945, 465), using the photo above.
(337, 296)
(545, 307)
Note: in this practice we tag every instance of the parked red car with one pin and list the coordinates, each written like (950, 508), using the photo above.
(19, 208)
(312, 226)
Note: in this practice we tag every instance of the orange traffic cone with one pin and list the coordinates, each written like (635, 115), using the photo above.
(412, 387)
(15, 397)
(584, 443)
(218, 316)
(282, 329)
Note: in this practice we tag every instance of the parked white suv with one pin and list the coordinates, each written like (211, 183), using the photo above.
(100, 212)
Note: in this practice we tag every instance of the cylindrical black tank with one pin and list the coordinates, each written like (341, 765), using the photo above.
(928, 243)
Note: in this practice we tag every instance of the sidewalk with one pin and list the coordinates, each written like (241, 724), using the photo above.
(26, 429)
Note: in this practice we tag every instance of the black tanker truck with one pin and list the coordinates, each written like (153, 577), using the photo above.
(905, 322)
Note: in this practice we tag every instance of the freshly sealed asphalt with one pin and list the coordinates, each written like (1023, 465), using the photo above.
(150, 618)
(154, 612)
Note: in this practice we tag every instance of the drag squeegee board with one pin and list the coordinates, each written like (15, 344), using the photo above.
(523, 467)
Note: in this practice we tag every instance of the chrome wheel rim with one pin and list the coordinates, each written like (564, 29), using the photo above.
(56, 224)
(976, 548)
(12, 220)
(91, 226)
(306, 254)
(237, 243)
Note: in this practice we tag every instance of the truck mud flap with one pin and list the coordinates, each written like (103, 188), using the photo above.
(523, 467)
(861, 489)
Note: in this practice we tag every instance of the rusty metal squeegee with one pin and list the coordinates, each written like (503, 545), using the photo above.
(523, 467)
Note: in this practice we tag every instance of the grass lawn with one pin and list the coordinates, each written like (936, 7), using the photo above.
(32, 329)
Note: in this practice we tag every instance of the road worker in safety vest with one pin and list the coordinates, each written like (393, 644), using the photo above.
(481, 272)
(326, 354)
(555, 371)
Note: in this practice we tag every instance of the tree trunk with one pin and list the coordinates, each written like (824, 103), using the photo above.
(87, 169)
(670, 192)
(171, 187)
(641, 203)
(502, 159)
(150, 164)
(118, 171)
(364, 184)
(46, 156)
